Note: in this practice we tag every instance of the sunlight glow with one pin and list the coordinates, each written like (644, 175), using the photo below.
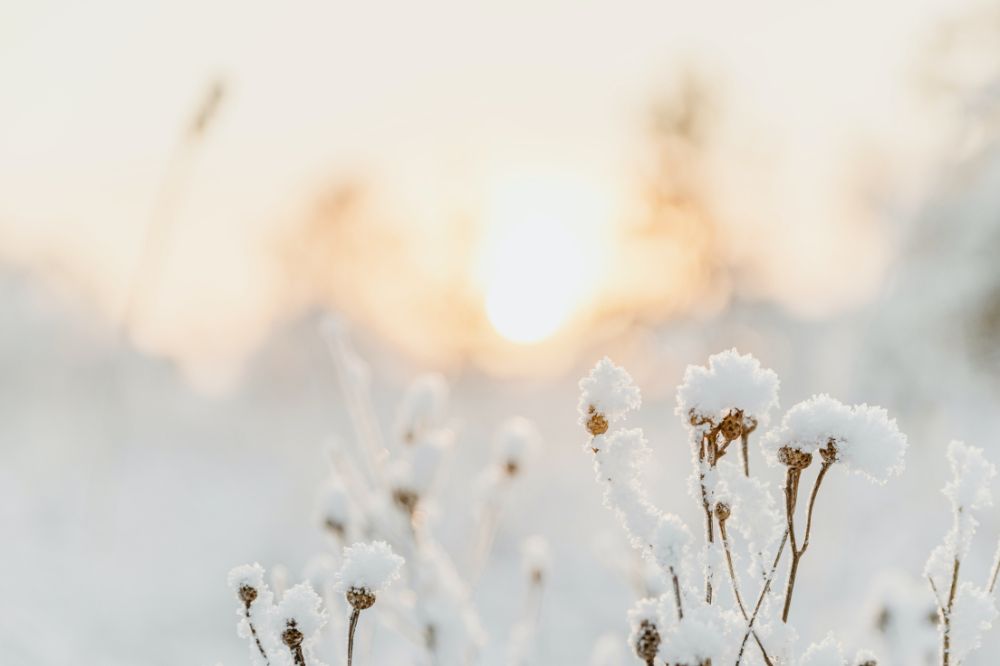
(541, 255)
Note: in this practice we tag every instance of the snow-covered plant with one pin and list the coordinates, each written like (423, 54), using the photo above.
(722, 403)
(382, 496)
(256, 601)
(368, 569)
(966, 611)
(297, 619)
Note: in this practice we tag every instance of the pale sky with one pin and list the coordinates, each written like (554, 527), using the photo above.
(436, 103)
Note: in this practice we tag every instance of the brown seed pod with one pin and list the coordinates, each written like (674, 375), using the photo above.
(732, 426)
(647, 644)
(829, 452)
(247, 595)
(360, 598)
(722, 511)
(597, 424)
(291, 636)
(406, 500)
(794, 458)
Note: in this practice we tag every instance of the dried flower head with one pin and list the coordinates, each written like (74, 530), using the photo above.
(722, 511)
(794, 458)
(645, 636)
(606, 395)
(360, 598)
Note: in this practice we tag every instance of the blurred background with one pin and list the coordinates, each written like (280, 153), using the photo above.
(499, 192)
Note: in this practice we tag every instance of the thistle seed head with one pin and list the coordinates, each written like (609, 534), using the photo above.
(360, 598)
(794, 458)
(648, 642)
(722, 511)
(247, 595)
(597, 423)
(291, 636)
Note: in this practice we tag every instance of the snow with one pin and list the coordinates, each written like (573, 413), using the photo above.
(866, 440)
(973, 615)
(827, 652)
(368, 566)
(969, 488)
(423, 408)
(731, 381)
(609, 390)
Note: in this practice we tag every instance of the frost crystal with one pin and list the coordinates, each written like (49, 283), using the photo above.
(969, 487)
(368, 566)
(608, 391)
(617, 468)
(971, 617)
(670, 542)
(825, 653)
(730, 382)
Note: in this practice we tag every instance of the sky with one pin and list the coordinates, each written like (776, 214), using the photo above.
(823, 131)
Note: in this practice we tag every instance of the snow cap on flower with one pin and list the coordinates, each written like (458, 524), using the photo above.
(300, 608)
(670, 542)
(335, 506)
(731, 381)
(644, 626)
(972, 474)
(515, 442)
(825, 653)
(422, 409)
(368, 566)
(863, 438)
(247, 576)
(606, 395)
(972, 616)
(701, 636)
(536, 557)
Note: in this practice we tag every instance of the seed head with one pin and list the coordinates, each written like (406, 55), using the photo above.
(722, 511)
(511, 468)
(647, 644)
(732, 425)
(247, 595)
(597, 423)
(360, 598)
(406, 500)
(291, 636)
(829, 452)
(794, 458)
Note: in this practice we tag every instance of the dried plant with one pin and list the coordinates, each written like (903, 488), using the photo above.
(724, 403)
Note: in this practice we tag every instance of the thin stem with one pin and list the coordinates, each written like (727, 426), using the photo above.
(760, 597)
(256, 638)
(732, 570)
(677, 594)
(946, 634)
(791, 493)
(996, 570)
(745, 446)
(707, 451)
(350, 635)
(736, 589)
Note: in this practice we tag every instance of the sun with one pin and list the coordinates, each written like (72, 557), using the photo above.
(541, 255)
